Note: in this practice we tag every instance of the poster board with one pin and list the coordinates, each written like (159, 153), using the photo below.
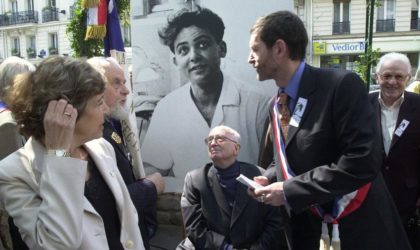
(155, 75)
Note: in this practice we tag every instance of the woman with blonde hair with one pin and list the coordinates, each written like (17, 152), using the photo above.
(63, 188)
(415, 85)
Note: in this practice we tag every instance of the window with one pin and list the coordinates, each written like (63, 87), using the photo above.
(51, 3)
(415, 20)
(127, 36)
(53, 49)
(341, 24)
(385, 21)
(30, 4)
(14, 6)
(31, 47)
(15, 46)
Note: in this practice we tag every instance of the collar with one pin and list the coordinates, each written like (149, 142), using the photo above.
(292, 86)
(230, 93)
(395, 105)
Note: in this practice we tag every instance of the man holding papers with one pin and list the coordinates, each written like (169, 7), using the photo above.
(325, 144)
(217, 212)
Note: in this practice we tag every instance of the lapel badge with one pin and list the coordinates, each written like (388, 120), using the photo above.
(116, 137)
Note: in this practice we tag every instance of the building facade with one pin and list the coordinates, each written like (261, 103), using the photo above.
(337, 30)
(33, 29)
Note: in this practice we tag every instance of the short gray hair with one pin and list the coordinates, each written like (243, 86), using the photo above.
(230, 131)
(101, 64)
(11, 67)
(394, 56)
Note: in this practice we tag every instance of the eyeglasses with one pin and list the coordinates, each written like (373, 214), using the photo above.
(388, 77)
(218, 138)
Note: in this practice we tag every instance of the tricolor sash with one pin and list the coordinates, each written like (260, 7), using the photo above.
(343, 205)
(3, 106)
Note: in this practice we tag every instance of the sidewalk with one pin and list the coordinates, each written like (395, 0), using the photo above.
(167, 237)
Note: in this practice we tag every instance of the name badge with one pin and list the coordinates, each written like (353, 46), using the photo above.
(298, 112)
(403, 125)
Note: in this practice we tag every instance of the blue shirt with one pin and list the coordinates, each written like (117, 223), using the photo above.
(292, 86)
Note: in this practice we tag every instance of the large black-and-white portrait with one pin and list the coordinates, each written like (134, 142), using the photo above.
(190, 73)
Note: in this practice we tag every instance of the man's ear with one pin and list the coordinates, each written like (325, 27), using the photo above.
(223, 49)
(238, 147)
(174, 61)
(280, 48)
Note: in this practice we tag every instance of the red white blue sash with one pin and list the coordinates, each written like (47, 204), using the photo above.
(343, 205)
(3, 107)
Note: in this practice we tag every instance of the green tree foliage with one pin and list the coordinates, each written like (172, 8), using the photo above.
(362, 63)
(76, 30)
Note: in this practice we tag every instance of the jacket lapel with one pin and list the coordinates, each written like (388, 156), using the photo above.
(306, 89)
(218, 192)
(110, 132)
(109, 171)
(241, 198)
(377, 109)
(406, 112)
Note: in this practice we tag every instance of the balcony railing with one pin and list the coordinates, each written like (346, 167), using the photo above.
(31, 53)
(341, 28)
(387, 25)
(21, 17)
(49, 14)
(415, 24)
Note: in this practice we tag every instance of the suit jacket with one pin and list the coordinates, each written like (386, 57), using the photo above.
(335, 150)
(45, 196)
(401, 167)
(143, 192)
(11, 140)
(209, 221)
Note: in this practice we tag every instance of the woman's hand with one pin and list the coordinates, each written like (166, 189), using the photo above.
(59, 124)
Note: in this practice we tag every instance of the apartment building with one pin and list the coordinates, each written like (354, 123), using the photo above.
(337, 30)
(33, 29)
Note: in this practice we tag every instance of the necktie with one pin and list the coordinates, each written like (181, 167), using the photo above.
(284, 113)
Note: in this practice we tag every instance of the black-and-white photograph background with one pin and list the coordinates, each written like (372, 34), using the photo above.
(175, 143)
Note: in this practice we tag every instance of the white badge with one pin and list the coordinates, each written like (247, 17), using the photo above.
(298, 112)
(403, 125)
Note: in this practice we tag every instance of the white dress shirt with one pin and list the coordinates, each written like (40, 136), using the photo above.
(389, 116)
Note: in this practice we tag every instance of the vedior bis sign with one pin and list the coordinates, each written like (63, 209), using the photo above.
(322, 48)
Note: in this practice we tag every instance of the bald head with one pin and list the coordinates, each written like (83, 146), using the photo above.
(115, 92)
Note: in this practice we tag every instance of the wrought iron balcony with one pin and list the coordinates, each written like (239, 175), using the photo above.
(415, 24)
(341, 28)
(49, 14)
(21, 17)
(31, 52)
(387, 25)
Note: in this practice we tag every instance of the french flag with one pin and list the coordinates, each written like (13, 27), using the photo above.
(113, 39)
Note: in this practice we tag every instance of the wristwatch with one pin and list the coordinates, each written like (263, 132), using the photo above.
(58, 152)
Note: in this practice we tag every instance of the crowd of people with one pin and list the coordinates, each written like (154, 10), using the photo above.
(332, 166)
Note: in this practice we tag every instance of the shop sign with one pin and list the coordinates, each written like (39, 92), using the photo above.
(320, 48)
(346, 47)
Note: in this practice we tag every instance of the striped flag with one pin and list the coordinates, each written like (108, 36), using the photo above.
(96, 18)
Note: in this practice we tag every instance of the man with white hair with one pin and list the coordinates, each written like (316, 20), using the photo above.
(217, 212)
(398, 114)
(144, 191)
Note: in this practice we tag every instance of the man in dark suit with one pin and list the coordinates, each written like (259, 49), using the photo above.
(331, 147)
(143, 191)
(398, 115)
(217, 212)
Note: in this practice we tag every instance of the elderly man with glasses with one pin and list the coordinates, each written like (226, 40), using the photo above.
(217, 211)
(398, 114)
